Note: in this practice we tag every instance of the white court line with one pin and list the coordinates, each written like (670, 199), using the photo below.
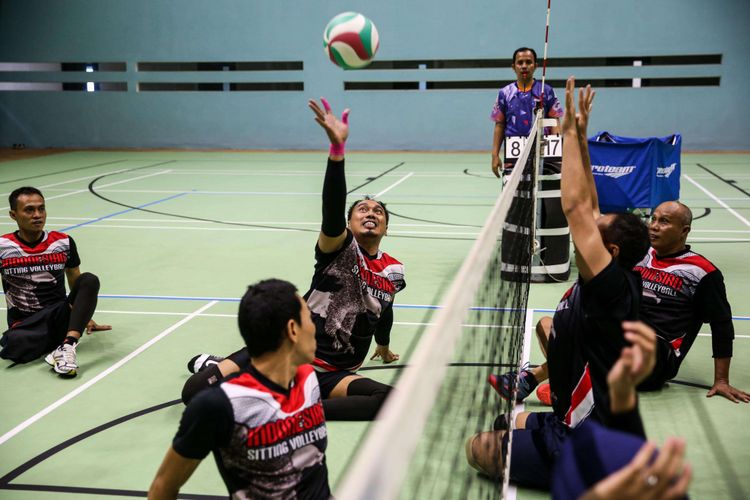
(84, 178)
(264, 222)
(232, 316)
(217, 315)
(393, 185)
(23, 425)
(742, 231)
(511, 490)
(74, 180)
(260, 229)
(717, 200)
(106, 185)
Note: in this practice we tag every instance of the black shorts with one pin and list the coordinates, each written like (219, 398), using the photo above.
(535, 450)
(36, 335)
(329, 380)
(667, 365)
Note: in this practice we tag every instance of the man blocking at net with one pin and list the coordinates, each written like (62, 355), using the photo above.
(265, 426)
(682, 290)
(35, 264)
(586, 337)
(351, 294)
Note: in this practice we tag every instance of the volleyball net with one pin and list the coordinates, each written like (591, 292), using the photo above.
(415, 449)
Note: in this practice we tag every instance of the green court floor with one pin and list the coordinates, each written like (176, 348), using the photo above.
(175, 238)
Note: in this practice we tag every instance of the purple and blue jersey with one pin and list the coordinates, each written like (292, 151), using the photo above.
(516, 108)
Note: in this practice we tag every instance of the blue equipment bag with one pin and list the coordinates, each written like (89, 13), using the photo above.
(635, 173)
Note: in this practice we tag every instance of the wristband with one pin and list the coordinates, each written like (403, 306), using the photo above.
(336, 149)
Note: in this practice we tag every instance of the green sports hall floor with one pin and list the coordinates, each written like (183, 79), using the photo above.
(176, 237)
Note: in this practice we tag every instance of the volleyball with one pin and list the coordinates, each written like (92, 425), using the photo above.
(351, 40)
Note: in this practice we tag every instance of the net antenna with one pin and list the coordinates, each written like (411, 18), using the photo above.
(379, 468)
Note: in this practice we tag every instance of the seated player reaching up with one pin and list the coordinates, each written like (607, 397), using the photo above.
(682, 290)
(264, 426)
(586, 337)
(35, 264)
(351, 294)
(602, 463)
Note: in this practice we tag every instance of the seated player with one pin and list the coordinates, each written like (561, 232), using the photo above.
(586, 337)
(596, 462)
(600, 463)
(264, 426)
(682, 290)
(35, 263)
(351, 294)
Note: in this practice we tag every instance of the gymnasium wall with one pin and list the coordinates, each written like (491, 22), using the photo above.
(249, 67)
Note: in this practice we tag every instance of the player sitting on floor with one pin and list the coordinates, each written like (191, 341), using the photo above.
(351, 295)
(265, 426)
(682, 290)
(35, 263)
(598, 462)
(586, 337)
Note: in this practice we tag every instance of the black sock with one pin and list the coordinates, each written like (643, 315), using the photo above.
(70, 340)
(362, 402)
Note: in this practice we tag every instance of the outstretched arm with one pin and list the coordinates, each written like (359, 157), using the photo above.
(591, 255)
(333, 229)
(585, 103)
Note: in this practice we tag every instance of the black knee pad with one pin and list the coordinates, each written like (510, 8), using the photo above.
(201, 380)
(368, 387)
(89, 281)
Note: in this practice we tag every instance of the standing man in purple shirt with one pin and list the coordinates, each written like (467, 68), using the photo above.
(513, 112)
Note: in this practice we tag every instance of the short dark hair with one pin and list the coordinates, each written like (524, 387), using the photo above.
(351, 208)
(628, 232)
(524, 49)
(27, 190)
(265, 310)
(687, 215)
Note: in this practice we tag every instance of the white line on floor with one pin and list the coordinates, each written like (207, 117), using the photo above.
(23, 425)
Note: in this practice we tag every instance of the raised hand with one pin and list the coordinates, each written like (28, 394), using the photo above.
(569, 117)
(337, 130)
(585, 103)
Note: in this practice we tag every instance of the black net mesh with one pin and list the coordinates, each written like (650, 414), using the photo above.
(491, 341)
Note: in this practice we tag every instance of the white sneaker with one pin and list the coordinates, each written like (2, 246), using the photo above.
(63, 360)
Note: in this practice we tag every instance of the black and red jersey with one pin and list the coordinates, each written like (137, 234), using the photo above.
(268, 441)
(680, 293)
(33, 274)
(586, 340)
(349, 295)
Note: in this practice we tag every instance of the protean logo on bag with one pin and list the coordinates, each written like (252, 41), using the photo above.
(612, 171)
(666, 171)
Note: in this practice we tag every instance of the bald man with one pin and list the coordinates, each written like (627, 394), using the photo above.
(682, 290)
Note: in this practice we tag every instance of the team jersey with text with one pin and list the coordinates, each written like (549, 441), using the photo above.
(680, 293)
(349, 294)
(516, 108)
(33, 274)
(586, 340)
(268, 442)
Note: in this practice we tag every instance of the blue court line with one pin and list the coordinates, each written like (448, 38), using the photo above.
(395, 306)
(122, 212)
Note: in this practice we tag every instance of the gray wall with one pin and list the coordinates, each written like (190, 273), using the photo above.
(131, 31)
